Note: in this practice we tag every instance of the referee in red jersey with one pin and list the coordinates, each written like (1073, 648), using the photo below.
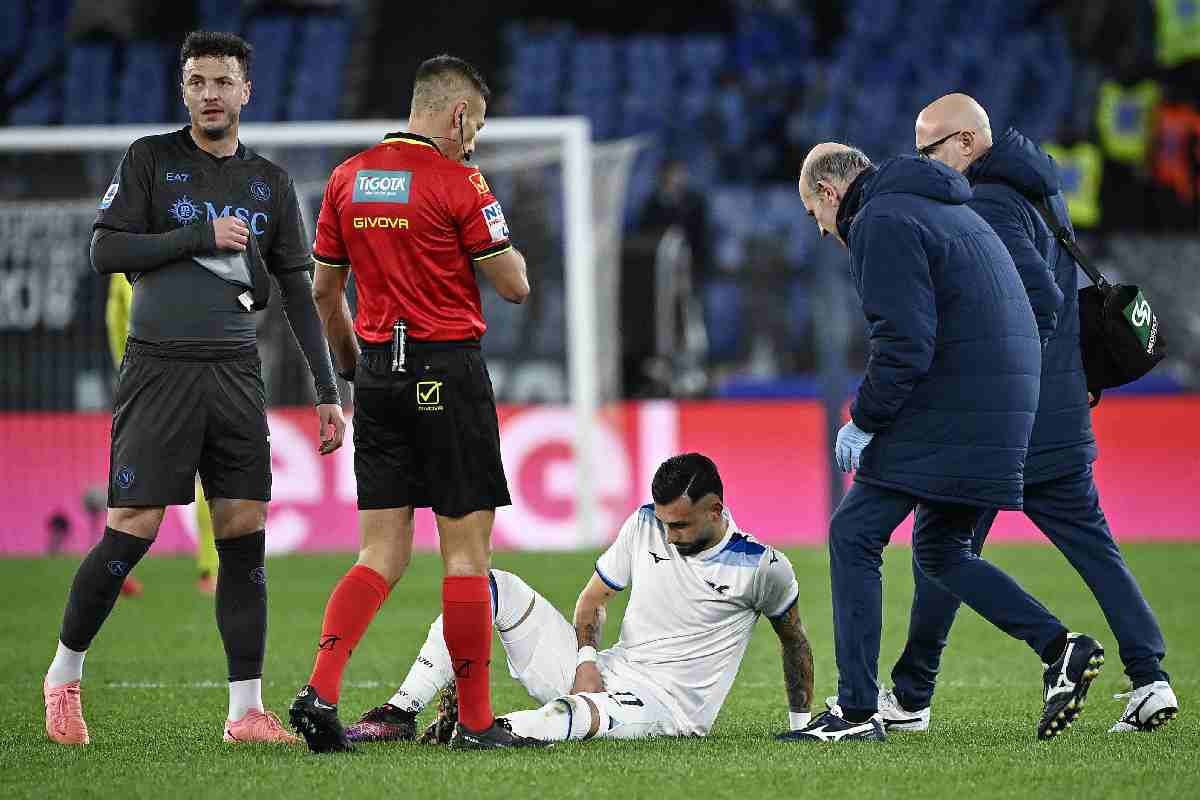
(412, 223)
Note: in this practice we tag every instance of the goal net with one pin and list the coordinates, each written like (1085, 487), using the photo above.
(563, 196)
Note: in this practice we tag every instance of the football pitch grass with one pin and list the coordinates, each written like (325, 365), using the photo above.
(154, 697)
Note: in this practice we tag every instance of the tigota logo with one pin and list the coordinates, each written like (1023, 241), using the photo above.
(382, 186)
(380, 222)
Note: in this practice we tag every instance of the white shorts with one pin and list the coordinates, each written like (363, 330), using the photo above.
(632, 707)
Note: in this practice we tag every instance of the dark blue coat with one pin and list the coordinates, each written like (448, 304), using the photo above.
(1013, 175)
(951, 385)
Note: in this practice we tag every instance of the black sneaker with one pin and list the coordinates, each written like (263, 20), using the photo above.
(385, 723)
(832, 727)
(441, 730)
(497, 737)
(1066, 683)
(317, 721)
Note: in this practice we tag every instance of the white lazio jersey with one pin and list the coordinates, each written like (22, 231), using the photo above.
(689, 620)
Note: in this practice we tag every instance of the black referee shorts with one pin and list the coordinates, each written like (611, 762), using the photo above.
(427, 437)
(178, 412)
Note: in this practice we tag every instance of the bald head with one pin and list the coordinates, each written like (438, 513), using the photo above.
(834, 163)
(828, 171)
(953, 129)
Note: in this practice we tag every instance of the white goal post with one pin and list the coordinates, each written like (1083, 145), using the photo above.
(572, 134)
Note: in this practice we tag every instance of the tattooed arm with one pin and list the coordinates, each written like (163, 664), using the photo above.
(590, 614)
(797, 660)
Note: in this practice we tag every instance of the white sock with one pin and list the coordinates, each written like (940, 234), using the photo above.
(429, 674)
(244, 696)
(559, 720)
(432, 671)
(67, 666)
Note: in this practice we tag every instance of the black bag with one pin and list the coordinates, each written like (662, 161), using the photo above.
(1118, 331)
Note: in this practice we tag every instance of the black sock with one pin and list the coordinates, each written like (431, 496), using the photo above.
(97, 584)
(242, 603)
(1053, 651)
(857, 714)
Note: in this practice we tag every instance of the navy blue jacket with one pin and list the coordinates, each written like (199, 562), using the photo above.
(951, 385)
(1007, 181)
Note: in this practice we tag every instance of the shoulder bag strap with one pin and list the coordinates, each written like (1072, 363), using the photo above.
(1060, 233)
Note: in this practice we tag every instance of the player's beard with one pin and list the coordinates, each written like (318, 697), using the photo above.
(216, 131)
(699, 544)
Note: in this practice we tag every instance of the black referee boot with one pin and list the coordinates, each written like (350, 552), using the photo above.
(317, 721)
(497, 737)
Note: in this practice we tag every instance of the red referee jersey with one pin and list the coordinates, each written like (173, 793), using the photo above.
(410, 222)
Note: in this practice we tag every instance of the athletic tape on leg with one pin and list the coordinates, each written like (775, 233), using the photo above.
(572, 717)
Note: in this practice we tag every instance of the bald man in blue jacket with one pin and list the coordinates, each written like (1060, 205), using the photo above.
(940, 424)
(1011, 177)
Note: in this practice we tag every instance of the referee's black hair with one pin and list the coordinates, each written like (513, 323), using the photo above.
(202, 44)
(446, 65)
(692, 474)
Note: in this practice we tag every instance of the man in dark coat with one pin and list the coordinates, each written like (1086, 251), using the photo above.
(940, 424)
(1010, 177)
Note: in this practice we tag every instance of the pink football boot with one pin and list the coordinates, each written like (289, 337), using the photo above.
(64, 714)
(258, 726)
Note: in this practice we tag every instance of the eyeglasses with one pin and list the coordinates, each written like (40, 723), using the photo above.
(927, 150)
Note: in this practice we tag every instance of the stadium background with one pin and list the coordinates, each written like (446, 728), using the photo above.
(762, 339)
(755, 340)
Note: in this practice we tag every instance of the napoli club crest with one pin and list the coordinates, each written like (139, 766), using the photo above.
(185, 211)
(260, 190)
(125, 477)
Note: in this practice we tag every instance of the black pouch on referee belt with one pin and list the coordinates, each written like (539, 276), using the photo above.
(246, 269)
(1118, 331)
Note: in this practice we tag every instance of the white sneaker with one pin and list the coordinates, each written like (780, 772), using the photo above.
(1149, 708)
(896, 717)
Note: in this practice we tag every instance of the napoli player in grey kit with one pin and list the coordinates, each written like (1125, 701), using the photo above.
(198, 222)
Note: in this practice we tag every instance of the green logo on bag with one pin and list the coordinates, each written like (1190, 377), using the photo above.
(1143, 321)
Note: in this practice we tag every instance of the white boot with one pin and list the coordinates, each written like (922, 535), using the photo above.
(895, 716)
(1149, 708)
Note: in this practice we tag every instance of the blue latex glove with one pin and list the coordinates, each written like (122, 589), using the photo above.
(851, 441)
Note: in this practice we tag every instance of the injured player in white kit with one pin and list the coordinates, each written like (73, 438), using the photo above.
(697, 586)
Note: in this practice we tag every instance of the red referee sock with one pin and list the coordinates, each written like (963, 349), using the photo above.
(467, 627)
(354, 602)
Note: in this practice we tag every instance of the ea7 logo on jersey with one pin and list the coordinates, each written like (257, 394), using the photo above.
(493, 215)
(106, 201)
(382, 186)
